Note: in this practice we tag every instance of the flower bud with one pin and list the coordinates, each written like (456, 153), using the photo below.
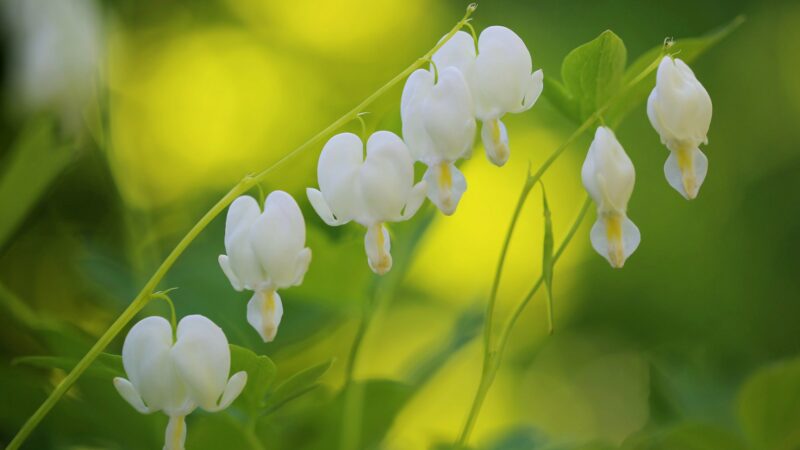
(608, 176)
(680, 109)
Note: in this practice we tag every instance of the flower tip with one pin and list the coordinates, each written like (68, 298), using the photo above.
(472, 7)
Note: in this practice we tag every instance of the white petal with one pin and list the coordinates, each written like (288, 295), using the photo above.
(241, 214)
(232, 390)
(378, 247)
(415, 199)
(321, 207)
(608, 173)
(533, 91)
(278, 236)
(687, 179)
(415, 94)
(301, 264)
(386, 178)
(147, 361)
(448, 116)
(175, 436)
(336, 171)
(495, 141)
(225, 264)
(446, 184)
(203, 359)
(615, 238)
(264, 313)
(502, 73)
(458, 52)
(129, 393)
(679, 107)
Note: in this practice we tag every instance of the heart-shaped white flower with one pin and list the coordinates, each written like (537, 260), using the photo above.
(370, 190)
(265, 251)
(500, 80)
(178, 375)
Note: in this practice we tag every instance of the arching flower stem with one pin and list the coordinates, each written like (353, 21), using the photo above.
(240, 188)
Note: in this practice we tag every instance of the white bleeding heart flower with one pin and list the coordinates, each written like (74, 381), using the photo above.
(500, 80)
(439, 129)
(680, 110)
(371, 191)
(265, 252)
(608, 176)
(177, 375)
(56, 50)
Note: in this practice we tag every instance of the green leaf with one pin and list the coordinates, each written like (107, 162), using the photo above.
(30, 167)
(685, 436)
(547, 259)
(769, 407)
(557, 94)
(592, 73)
(105, 366)
(688, 50)
(260, 375)
(296, 385)
(382, 401)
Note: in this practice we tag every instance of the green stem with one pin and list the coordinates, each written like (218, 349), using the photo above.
(243, 186)
(492, 361)
(490, 355)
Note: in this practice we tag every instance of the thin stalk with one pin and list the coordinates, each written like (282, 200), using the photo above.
(490, 354)
(491, 365)
(243, 186)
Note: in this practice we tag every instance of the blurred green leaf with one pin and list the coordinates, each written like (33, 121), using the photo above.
(769, 407)
(383, 400)
(105, 366)
(260, 375)
(218, 431)
(685, 436)
(686, 49)
(296, 385)
(592, 73)
(30, 167)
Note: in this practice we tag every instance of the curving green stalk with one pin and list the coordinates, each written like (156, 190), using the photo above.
(491, 354)
(248, 182)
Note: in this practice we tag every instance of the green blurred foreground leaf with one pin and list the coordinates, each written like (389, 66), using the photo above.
(769, 407)
(105, 366)
(296, 385)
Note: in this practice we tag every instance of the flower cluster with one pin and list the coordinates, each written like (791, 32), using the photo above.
(679, 109)
(178, 374)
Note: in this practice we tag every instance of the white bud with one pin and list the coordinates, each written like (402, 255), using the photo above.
(265, 249)
(370, 190)
(176, 376)
(680, 110)
(608, 176)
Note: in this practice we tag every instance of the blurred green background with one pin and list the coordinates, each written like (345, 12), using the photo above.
(690, 346)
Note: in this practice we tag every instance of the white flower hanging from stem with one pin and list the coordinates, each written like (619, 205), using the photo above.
(608, 176)
(680, 109)
(371, 190)
(265, 252)
(500, 81)
(178, 373)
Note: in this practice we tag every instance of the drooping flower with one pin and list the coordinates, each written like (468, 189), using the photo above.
(371, 191)
(608, 176)
(499, 77)
(265, 252)
(680, 110)
(178, 375)
(56, 48)
(439, 129)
